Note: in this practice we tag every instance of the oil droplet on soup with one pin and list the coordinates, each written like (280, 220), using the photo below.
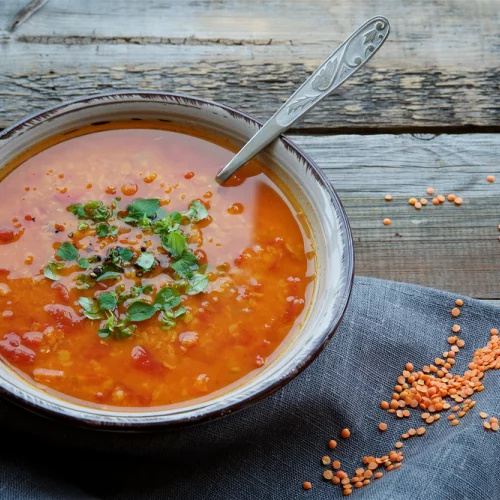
(170, 323)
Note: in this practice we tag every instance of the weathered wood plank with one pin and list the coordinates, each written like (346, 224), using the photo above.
(37, 76)
(422, 30)
(433, 72)
(447, 247)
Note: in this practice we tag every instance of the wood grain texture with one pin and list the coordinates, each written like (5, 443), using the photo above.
(438, 69)
(447, 247)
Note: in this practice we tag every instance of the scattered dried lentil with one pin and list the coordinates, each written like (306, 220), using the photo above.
(388, 197)
(490, 178)
(382, 427)
(345, 433)
(332, 444)
(386, 222)
(430, 190)
(307, 485)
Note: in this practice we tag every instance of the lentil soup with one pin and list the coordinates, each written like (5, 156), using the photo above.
(128, 277)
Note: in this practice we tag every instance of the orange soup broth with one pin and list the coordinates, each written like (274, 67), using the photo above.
(260, 267)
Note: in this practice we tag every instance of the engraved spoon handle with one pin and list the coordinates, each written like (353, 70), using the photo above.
(352, 55)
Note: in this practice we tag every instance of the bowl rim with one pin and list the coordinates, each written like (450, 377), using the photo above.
(40, 407)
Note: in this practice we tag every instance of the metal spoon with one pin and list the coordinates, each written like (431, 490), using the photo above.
(352, 55)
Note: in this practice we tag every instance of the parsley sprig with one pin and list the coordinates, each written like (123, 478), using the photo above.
(98, 213)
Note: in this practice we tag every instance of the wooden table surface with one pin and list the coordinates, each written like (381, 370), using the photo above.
(425, 112)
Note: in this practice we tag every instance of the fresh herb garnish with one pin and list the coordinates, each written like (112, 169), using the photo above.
(117, 328)
(96, 211)
(67, 252)
(117, 256)
(197, 211)
(107, 300)
(146, 261)
(83, 262)
(169, 223)
(144, 208)
(134, 293)
(185, 274)
(197, 283)
(140, 311)
(185, 265)
(102, 230)
(167, 298)
(108, 275)
(174, 242)
(168, 318)
(50, 270)
(91, 308)
(84, 282)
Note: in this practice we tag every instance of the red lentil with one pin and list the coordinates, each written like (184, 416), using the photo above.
(388, 197)
(451, 197)
(435, 201)
(490, 178)
(441, 198)
(307, 485)
(326, 460)
(430, 190)
(455, 312)
(336, 464)
(378, 475)
(412, 201)
(332, 444)
(345, 433)
(458, 201)
(386, 222)
(384, 405)
(328, 475)
(382, 427)
(455, 328)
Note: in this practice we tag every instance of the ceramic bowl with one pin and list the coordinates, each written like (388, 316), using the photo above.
(307, 184)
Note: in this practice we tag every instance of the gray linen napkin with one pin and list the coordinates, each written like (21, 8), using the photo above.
(269, 449)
